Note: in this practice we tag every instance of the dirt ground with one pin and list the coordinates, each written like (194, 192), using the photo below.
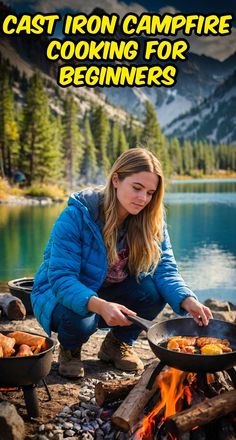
(63, 391)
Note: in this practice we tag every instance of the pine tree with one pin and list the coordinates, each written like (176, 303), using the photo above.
(114, 141)
(187, 157)
(9, 133)
(37, 148)
(153, 138)
(122, 142)
(232, 157)
(100, 129)
(72, 141)
(133, 132)
(176, 156)
(198, 151)
(89, 168)
(209, 159)
(55, 153)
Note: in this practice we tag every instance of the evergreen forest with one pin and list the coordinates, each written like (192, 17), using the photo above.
(46, 137)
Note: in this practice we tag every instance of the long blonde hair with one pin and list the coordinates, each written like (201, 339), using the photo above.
(144, 233)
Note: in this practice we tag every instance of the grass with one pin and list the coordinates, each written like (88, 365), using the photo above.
(54, 192)
(6, 190)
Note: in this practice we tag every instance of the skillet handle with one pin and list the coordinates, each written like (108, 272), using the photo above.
(141, 322)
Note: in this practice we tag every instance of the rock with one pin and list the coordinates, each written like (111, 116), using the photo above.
(42, 437)
(217, 305)
(225, 316)
(68, 425)
(12, 426)
(232, 306)
(48, 427)
(69, 433)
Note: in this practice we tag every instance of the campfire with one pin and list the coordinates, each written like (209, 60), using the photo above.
(174, 391)
(198, 405)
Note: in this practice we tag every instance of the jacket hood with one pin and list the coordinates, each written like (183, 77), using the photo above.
(88, 200)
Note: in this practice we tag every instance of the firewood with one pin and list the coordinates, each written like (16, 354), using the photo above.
(12, 306)
(112, 390)
(128, 412)
(202, 413)
(225, 429)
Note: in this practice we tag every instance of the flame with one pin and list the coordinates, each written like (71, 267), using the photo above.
(210, 378)
(9, 389)
(173, 390)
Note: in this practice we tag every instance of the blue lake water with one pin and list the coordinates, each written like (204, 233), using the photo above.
(201, 218)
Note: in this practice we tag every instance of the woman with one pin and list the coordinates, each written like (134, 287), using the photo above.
(109, 254)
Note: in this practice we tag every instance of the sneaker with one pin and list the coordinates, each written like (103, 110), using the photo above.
(70, 364)
(120, 354)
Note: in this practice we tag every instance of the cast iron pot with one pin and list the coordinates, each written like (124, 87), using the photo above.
(27, 370)
(22, 288)
(158, 333)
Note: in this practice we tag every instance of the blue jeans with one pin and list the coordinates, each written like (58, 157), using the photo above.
(142, 298)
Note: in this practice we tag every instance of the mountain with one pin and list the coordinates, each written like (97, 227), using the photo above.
(26, 53)
(197, 78)
(214, 119)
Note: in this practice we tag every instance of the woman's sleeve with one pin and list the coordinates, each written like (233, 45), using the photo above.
(168, 280)
(65, 263)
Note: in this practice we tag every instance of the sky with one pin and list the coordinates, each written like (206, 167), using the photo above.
(215, 46)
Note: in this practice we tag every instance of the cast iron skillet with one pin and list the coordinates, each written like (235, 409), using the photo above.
(157, 334)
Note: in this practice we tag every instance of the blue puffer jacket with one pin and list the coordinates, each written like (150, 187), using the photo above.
(75, 264)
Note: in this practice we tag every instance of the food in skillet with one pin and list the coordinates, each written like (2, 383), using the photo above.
(21, 344)
(206, 340)
(203, 345)
(184, 344)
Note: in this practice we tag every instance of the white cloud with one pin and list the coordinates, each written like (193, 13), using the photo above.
(220, 47)
(168, 10)
(110, 6)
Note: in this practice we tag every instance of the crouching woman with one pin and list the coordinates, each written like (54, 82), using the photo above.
(109, 254)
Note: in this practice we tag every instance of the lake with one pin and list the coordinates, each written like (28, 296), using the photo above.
(201, 217)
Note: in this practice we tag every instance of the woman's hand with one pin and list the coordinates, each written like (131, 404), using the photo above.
(111, 312)
(200, 313)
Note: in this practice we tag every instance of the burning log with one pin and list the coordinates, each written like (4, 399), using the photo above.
(12, 306)
(201, 414)
(112, 390)
(128, 412)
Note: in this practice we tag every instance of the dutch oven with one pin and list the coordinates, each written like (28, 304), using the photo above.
(22, 288)
(26, 372)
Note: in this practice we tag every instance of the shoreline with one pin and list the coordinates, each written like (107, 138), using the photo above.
(215, 177)
(21, 200)
(30, 201)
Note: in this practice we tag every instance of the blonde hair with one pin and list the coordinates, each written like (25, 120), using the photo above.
(147, 225)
